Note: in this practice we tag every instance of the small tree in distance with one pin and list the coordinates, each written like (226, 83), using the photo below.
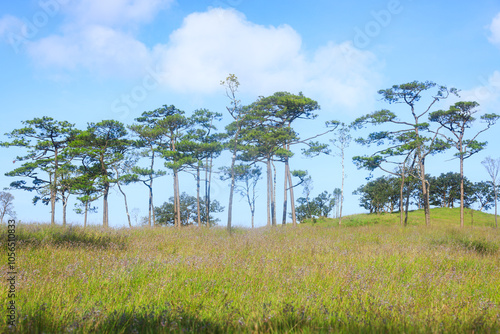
(247, 177)
(6, 206)
(493, 167)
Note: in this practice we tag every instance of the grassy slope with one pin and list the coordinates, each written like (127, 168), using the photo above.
(439, 216)
(378, 278)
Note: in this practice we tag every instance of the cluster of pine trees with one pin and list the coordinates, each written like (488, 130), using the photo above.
(62, 160)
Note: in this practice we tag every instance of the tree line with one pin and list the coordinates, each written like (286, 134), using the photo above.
(62, 160)
(382, 194)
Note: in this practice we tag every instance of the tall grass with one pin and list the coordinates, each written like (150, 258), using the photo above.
(365, 279)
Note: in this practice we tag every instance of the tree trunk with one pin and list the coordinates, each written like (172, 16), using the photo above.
(231, 191)
(151, 169)
(425, 192)
(208, 190)
(65, 204)
(177, 202)
(86, 212)
(52, 201)
(427, 207)
(496, 201)
(105, 206)
(269, 187)
(251, 201)
(273, 198)
(461, 187)
(126, 204)
(407, 204)
(198, 195)
(292, 199)
(151, 189)
(53, 190)
(401, 203)
(150, 204)
(207, 206)
(342, 189)
(283, 222)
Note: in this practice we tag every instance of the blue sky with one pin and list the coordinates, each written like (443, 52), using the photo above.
(89, 60)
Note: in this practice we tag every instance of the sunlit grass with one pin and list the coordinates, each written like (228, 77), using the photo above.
(379, 278)
(439, 217)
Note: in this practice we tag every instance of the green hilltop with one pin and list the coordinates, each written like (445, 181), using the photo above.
(439, 216)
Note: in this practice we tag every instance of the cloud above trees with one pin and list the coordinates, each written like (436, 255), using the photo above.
(212, 44)
(494, 28)
(103, 38)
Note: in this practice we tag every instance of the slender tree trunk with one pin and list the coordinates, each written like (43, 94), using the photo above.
(231, 191)
(269, 187)
(210, 166)
(53, 190)
(461, 187)
(342, 189)
(65, 204)
(425, 192)
(401, 203)
(175, 200)
(151, 217)
(150, 204)
(407, 204)
(288, 176)
(273, 198)
(178, 199)
(198, 195)
(496, 201)
(105, 205)
(283, 222)
(177, 203)
(292, 198)
(207, 206)
(86, 212)
(251, 201)
(52, 201)
(126, 204)
(151, 192)
(427, 206)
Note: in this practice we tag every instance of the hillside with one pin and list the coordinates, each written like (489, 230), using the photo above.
(439, 217)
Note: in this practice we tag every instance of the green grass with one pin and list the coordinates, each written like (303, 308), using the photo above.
(375, 278)
(439, 216)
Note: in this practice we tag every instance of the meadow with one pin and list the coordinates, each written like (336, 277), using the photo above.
(369, 275)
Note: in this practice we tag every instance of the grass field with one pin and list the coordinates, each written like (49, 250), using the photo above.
(358, 278)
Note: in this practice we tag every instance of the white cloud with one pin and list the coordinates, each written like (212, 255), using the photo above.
(204, 50)
(212, 44)
(495, 30)
(487, 94)
(99, 36)
(98, 48)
